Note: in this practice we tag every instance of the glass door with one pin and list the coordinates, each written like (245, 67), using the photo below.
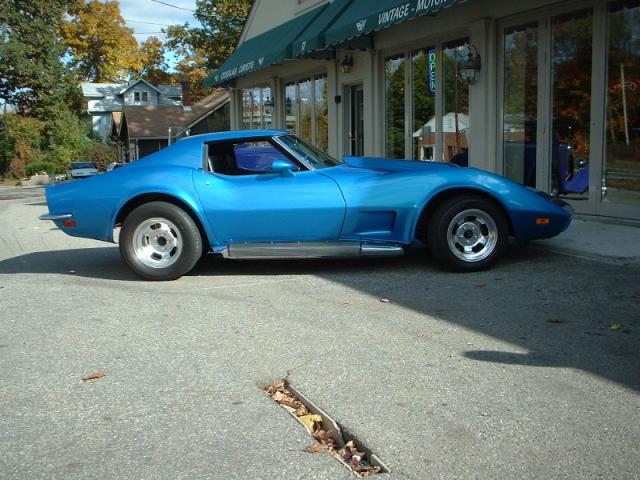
(621, 173)
(520, 103)
(356, 120)
(546, 68)
(571, 52)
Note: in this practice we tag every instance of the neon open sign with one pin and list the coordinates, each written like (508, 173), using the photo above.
(432, 70)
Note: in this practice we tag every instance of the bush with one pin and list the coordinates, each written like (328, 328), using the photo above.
(21, 141)
(27, 143)
(47, 167)
(101, 154)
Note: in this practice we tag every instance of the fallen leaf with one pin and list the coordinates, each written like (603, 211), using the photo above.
(94, 376)
(322, 436)
(315, 448)
(556, 320)
(385, 300)
(615, 327)
(301, 411)
(309, 421)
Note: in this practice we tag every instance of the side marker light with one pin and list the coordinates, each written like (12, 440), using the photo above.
(543, 221)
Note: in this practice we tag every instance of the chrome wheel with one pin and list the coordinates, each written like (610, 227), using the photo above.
(157, 242)
(472, 235)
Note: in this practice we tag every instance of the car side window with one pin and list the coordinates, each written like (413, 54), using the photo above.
(245, 157)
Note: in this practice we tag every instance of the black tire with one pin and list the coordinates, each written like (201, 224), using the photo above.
(182, 247)
(485, 222)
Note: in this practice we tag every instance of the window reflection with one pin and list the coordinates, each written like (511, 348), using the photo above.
(306, 109)
(520, 103)
(321, 113)
(254, 113)
(455, 119)
(394, 107)
(621, 176)
(571, 103)
(424, 109)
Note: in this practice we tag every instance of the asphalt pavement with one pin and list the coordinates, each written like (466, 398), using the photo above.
(528, 370)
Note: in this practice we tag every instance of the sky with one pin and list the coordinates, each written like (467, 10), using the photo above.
(135, 12)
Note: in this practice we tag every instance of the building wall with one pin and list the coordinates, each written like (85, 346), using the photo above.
(129, 95)
(481, 23)
(217, 121)
(267, 14)
(102, 124)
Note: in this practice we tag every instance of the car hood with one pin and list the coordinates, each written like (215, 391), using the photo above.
(389, 165)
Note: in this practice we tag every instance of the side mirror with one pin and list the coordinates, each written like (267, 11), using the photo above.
(283, 167)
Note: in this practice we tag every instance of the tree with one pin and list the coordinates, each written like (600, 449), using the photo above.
(32, 75)
(100, 44)
(203, 49)
(153, 67)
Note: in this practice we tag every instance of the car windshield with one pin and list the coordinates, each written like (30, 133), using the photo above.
(82, 165)
(308, 154)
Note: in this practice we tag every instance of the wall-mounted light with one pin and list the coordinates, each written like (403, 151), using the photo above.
(470, 68)
(347, 64)
(268, 106)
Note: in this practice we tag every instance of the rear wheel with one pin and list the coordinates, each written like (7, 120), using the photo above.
(160, 241)
(468, 233)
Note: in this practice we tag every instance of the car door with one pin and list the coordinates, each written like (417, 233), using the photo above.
(249, 203)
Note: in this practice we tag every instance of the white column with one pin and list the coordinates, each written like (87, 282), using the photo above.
(482, 106)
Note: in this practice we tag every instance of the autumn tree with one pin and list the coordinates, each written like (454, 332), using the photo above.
(102, 47)
(32, 75)
(153, 66)
(203, 49)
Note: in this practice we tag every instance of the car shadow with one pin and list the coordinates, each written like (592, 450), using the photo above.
(100, 263)
(553, 311)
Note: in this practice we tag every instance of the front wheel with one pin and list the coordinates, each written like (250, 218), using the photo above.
(468, 233)
(160, 241)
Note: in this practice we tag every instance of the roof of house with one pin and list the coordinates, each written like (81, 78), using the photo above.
(153, 121)
(101, 90)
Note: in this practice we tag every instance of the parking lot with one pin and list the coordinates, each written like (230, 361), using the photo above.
(529, 370)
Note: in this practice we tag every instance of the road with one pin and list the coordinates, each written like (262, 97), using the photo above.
(510, 373)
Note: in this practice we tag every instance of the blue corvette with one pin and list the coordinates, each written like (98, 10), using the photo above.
(268, 194)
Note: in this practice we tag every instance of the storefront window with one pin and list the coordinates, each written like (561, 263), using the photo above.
(394, 106)
(254, 113)
(306, 110)
(455, 119)
(291, 106)
(423, 85)
(571, 103)
(520, 107)
(247, 103)
(321, 113)
(621, 173)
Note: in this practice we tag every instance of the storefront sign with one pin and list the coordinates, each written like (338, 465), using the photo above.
(432, 70)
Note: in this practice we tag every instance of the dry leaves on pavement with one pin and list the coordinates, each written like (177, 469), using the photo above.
(349, 454)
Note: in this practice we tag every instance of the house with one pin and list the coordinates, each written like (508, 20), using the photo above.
(524, 79)
(105, 99)
(142, 130)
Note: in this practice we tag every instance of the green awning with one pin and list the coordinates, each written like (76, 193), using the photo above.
(263, 50)
(364, 16)
(312, 38)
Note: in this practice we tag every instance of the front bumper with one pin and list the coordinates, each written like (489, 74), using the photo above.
(558, 202)
(56, 216)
